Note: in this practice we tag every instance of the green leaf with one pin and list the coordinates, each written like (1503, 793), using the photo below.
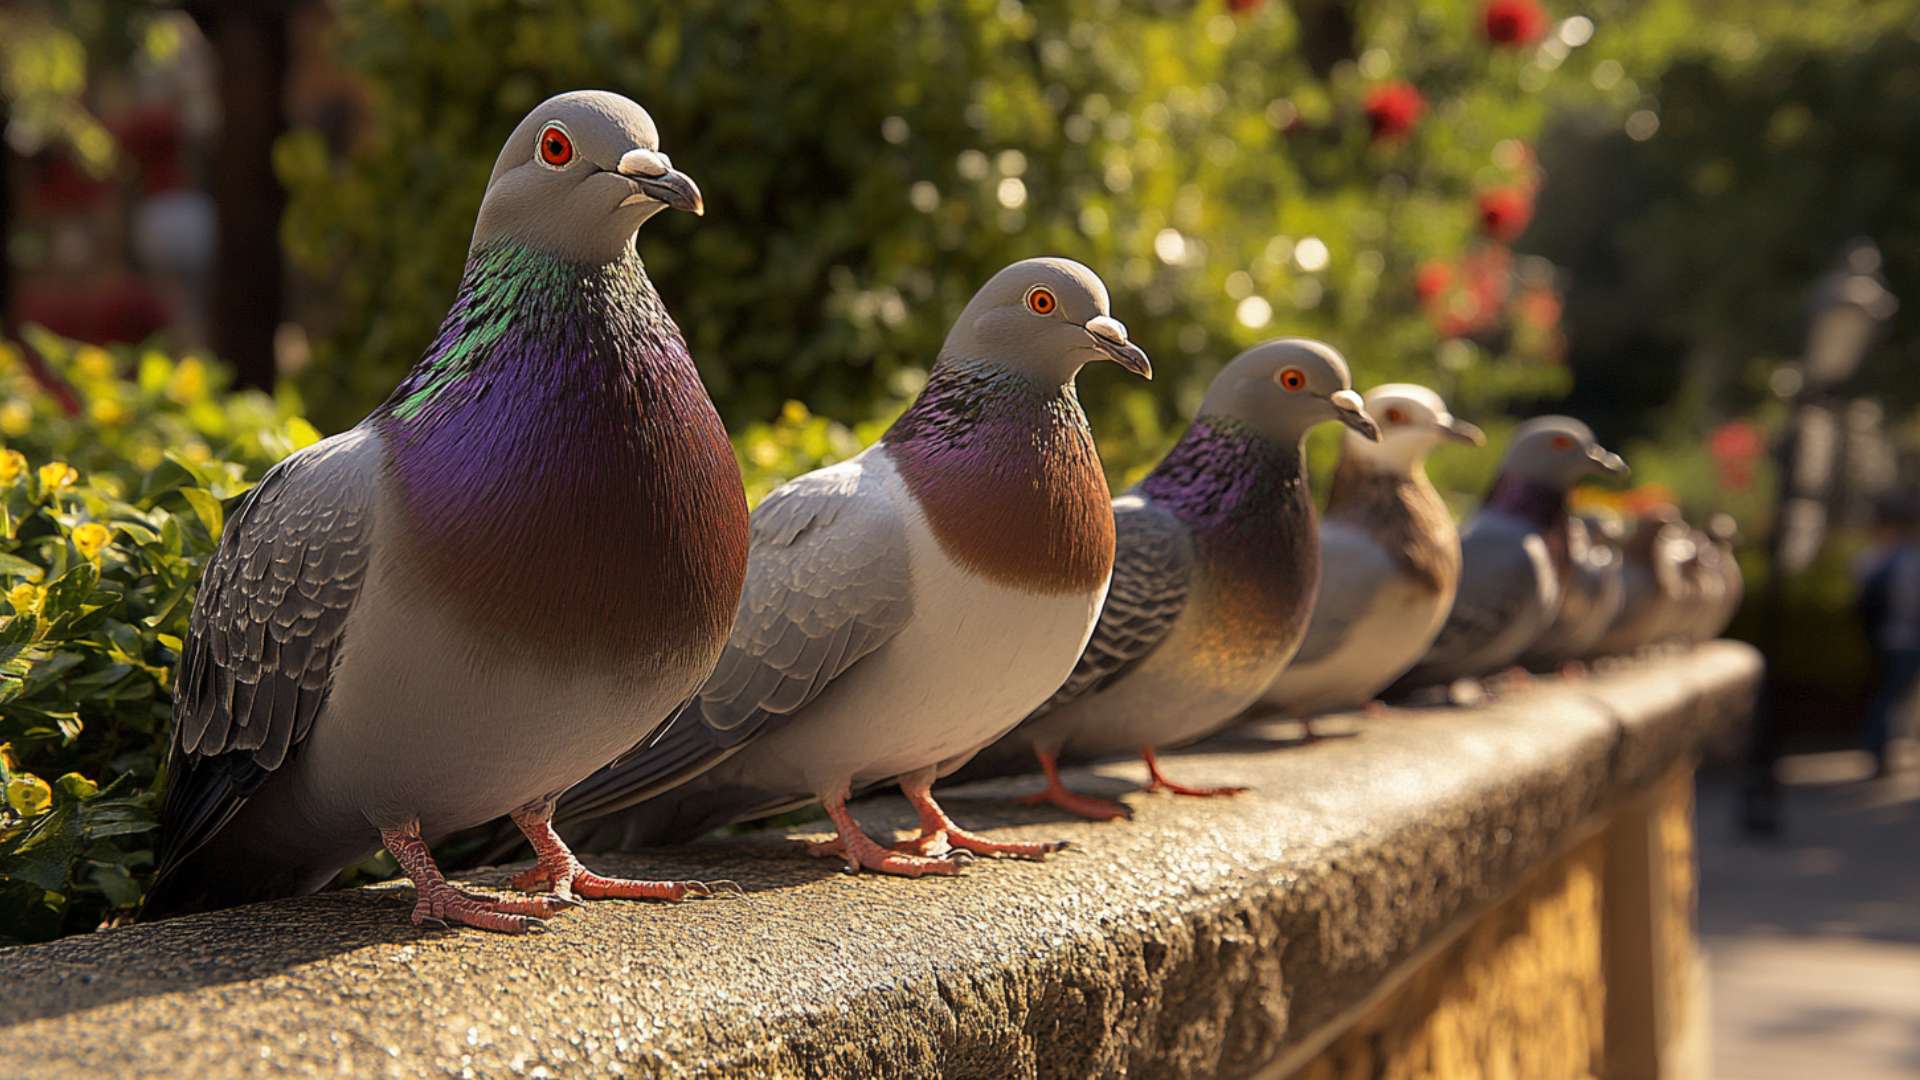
(207, 508)
(43, 855)
(14, 564)
(66, 595)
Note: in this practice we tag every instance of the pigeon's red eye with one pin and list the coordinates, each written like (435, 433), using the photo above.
(1040, 300)
(1563, 442)
(556, 146)
(1395, 416)
(1293, 379)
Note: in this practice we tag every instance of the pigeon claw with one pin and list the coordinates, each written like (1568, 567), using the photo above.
(441, 904)
(1157, 781)
(865, 854)
(954, 843)
(1091, 807)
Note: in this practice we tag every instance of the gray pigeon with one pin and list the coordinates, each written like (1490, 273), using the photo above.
(1213, 583)
(1513, 553)
(1653, 566)
(905, 608)
(1389, 558)
(1720, 536)
(1593, 591)
(507, 575)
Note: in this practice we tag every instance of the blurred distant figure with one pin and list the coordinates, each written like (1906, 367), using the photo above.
(1888, 601)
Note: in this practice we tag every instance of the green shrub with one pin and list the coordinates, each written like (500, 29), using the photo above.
(106, 519)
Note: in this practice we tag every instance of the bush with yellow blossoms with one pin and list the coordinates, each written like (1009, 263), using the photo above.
(108, 511)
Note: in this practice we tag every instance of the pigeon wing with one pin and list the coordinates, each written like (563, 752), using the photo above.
(828, 583)
(265, 633)
(1500, 582)
(1152, 570)
(1353, 567)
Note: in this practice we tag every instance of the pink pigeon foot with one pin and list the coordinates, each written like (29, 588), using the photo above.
(1376, 709)
(1058, 794)
(440, 903)
(1159, 781)
(1573, 670)
(940, 836)
(862, 853)
(561, 876)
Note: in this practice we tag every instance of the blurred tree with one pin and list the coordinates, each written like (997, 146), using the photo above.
(863, 175)
(1693, 243)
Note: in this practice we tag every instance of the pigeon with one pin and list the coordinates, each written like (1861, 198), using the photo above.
(908, 606)
(1389, 559)
(1653, 567)
(1721, 533)
(507, 575)
(1592, 592)
(1213, 583)
(1514, 554)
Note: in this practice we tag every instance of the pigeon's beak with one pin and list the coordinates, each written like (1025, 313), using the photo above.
(1460, 431)
(1350, 409)
(1110, 337)
(653, 173)
(1608, 462)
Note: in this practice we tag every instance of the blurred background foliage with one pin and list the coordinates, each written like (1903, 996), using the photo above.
(1615, 208)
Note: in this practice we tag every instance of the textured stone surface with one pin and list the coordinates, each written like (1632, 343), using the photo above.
(1521, 994)
(1204, 937)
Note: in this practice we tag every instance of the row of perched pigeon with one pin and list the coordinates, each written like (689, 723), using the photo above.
(527, 584)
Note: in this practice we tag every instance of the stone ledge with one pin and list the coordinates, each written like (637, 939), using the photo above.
(1206, 936)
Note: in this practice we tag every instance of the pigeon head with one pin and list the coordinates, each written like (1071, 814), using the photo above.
(1045, 318)
(1283, 387)
(1413, 420)
(578, 177)
(1558, 452)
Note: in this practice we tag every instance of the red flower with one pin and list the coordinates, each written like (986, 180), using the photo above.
(1736, 445)
(1538, 307)
(1431, 280)
(1241, 7)
(1504, 212)
(1513, 22)
(1393, 108)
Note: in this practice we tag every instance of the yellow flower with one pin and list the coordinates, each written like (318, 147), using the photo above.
(55, 475)
(189, 382)
(13, 465)
(794, 412)
(29, 795)
(107, 412)
(94, 362)
(25, 598)
(16, 418)
(90, 538)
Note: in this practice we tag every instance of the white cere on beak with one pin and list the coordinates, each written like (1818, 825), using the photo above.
(1108, 327)
(1348, 400)
(644, 162)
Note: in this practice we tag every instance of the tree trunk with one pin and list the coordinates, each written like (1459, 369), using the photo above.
(250, 46)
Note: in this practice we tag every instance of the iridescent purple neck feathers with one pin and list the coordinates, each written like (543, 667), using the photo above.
(1224, 475)
(1540, 504)
(561, 468)
(1256, 543)
(1006, 471)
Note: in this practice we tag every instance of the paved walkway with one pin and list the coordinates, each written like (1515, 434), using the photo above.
(1813, 939)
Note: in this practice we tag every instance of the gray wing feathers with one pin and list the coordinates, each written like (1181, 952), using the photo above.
(1352, 570)
(828, 582)
(1500, 582)
(266, 626)
(1152, 569)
